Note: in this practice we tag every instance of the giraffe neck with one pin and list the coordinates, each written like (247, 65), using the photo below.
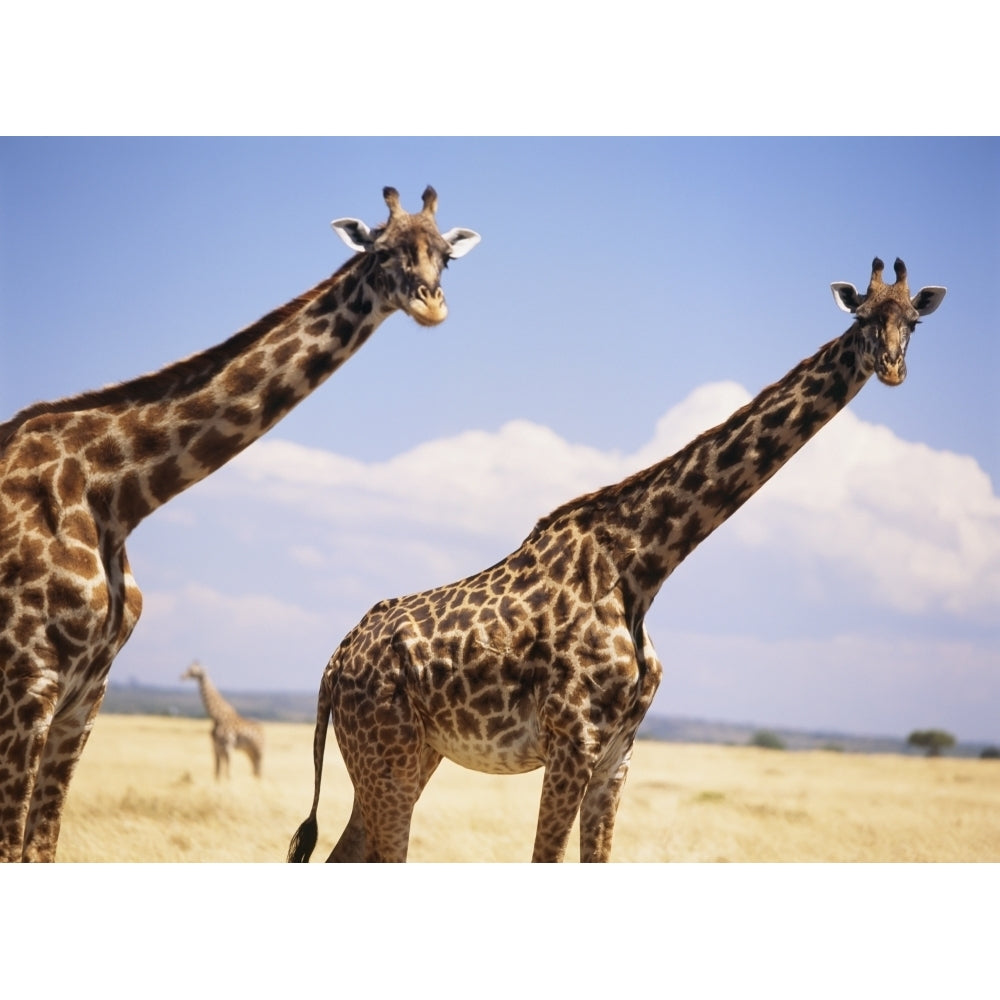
(130, 448)
(647, 524)
(216, 706)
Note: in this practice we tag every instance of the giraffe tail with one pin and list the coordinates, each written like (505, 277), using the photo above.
(304, 842)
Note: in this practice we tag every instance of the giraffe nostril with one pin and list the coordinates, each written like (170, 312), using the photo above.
(426, 295)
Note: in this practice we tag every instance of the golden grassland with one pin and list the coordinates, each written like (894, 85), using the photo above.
(145, 791)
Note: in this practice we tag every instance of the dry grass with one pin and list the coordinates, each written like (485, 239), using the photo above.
(145, 791)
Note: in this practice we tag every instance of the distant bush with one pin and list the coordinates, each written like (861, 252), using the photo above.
(766, 739)
(990, 753)
(931, 740)
(710, 796)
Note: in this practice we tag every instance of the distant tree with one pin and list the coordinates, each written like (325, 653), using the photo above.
(931, 740)
(766, 739)
(990, 753)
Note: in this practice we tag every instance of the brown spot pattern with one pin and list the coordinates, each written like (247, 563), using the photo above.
(543, 659)
(78, 474)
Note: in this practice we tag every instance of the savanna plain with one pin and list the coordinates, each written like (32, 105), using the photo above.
(145, 791)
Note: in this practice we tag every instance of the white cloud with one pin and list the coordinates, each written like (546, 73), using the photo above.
(915, 529)
(832, 599)
(477, 482)
(246, 641)
(229, 611)
(918, 528)
(703, 408)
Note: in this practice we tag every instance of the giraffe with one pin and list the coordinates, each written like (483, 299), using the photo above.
(78, 474)
(230, 731)
(543, 660)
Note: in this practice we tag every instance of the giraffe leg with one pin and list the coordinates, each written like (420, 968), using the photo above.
(379, 828)
(27, 707)
(599, 809)
(387, 809)
(567, 775)
(351, 846)
(15, 792)
(67, 736)
(256, 755)
(252, 749)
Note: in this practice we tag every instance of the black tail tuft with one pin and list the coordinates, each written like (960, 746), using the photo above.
(304, 841)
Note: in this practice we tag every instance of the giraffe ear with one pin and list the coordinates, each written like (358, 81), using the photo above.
(846, 296)
(928, 299)
(354, 233)
(461, 241)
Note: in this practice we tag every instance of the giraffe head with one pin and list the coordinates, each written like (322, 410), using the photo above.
(195, 672)
(887, 315)
(409, 254)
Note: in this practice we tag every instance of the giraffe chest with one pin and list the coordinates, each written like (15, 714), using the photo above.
(70, 603)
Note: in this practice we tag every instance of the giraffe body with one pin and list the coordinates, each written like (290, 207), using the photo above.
(230, 731)
(543, 660)
(78, 474)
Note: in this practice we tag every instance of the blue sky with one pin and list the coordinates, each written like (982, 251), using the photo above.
(627, 294)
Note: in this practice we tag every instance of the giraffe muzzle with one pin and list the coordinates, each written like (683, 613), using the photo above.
(891, 371)
(428, 307)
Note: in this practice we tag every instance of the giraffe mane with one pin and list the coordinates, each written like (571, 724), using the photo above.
(186, 375)
(605, 496)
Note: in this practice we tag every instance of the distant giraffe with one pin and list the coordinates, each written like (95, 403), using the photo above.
(230, 731)
(77, 475)
(543, 659)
